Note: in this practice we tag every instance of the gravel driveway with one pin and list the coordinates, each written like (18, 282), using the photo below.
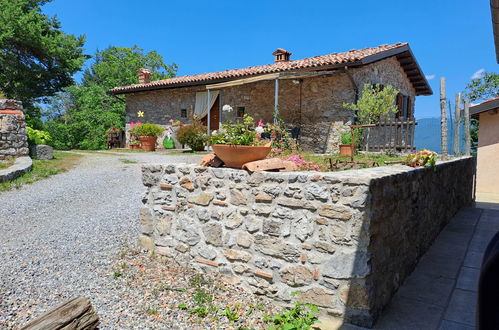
(60, 237)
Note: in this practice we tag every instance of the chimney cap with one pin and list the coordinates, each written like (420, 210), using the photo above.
(144, 75)
(281, 51)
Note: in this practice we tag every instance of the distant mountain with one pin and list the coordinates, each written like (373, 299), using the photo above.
(427, 135)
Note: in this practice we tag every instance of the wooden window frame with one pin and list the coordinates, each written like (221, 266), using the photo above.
(183, 113)
(238, 109)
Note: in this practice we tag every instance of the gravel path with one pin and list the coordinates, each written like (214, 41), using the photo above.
(61, 237)
(75, 234)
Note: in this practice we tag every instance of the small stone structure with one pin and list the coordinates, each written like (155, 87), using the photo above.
(345, 240)
(13, 139)
(41, 151)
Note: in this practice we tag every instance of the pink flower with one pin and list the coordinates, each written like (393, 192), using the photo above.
(260, 123)
(276, 150)
(171, 121)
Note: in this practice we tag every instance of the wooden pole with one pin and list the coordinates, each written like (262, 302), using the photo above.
(443, 119)
(276, 101)
(457, 122)
(467, 137)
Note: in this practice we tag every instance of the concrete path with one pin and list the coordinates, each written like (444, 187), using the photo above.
(441, 293)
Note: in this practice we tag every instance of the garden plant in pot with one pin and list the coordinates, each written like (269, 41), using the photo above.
(193, 135)
(346, 146)
(148, 134)
(240, 143)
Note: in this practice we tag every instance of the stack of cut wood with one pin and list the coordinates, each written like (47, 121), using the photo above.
(271, 164)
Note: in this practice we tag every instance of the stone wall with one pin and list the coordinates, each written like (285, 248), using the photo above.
(13, 139)
(344, 240)
(314, 104)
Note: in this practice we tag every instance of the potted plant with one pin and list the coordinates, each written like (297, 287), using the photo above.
(134, 143)
(193, 135)
(346, 147)
(148, 134)
(239, 143)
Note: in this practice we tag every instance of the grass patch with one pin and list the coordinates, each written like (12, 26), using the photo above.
(128, 161)
(7, 163)
(42, 169)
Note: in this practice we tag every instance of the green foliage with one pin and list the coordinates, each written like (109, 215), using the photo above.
(232, 315)
(300, 317)
(79, 117)
(193, 135)
(146, 129)
(376, 101)
(346, 138)
(240, 133)
(37, 59)
(38, 137)
(481, 89)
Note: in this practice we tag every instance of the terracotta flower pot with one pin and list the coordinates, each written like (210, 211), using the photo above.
(148, 143)
(236, 156)
(134, 146)
(346, 150)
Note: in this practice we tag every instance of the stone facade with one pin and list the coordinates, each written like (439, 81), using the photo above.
(13, 139)
(313, 104)
(344, 240)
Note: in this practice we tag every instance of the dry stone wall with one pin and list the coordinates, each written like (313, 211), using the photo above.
(13, 139)
(345, 241)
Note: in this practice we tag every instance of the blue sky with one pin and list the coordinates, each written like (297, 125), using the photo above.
(451, 39)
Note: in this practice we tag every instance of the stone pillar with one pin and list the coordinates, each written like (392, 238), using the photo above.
(13, 138)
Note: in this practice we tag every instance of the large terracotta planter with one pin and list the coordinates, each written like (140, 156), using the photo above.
(148, 143)
(346, 150)
(236, 156)
(134, 146)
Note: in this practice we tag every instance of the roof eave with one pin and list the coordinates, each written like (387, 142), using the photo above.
(409, 64)
(484, 107)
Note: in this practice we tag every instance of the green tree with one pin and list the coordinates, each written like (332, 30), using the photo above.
(81, 115)
(481, 89)
(37, 59)
(375, 101)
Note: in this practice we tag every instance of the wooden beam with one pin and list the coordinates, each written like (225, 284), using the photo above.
(74, 314)
(243, 81)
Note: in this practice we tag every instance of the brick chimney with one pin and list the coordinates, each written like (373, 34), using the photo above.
(144, 76)
(281, 55)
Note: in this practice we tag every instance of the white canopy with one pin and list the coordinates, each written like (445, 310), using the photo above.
(201, 107)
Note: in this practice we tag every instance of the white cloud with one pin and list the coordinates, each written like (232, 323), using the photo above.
(478, 74)
(430, 77)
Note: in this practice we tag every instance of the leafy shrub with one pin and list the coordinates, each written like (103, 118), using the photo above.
(146, 129)
(38, 137)
(346, 138)
(302, 317)
(192, 135)
(424, 157)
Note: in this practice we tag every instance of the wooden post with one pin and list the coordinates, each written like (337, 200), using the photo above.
(443, 119)
(467, 137)
(457, 123)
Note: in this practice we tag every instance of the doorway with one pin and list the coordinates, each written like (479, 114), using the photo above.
(214, 116)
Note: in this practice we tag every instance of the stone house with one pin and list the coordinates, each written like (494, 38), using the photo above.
(308, 94)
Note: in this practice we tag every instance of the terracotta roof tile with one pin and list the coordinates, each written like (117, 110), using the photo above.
(311, 62)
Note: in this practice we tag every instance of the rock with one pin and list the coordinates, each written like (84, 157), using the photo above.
(240, 268)
(244, 239)
(164, 226)
(273, 227)
(303, 229)
(203, 199)
(339, 212)
(263, 198)
(315, 191)
(237, 197)
(236, 255)
(146, 242)
(317, 296)
(297, 276)
(187, 184)
(207, 253)
(213, 233)
(347, 265)
(262, 210)
(277, 248)
(264, 165)
(296, 204)
(41, 151)
(355, 296)
(233, 222)
(146, 220)
(339, 232)
(253, 224)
